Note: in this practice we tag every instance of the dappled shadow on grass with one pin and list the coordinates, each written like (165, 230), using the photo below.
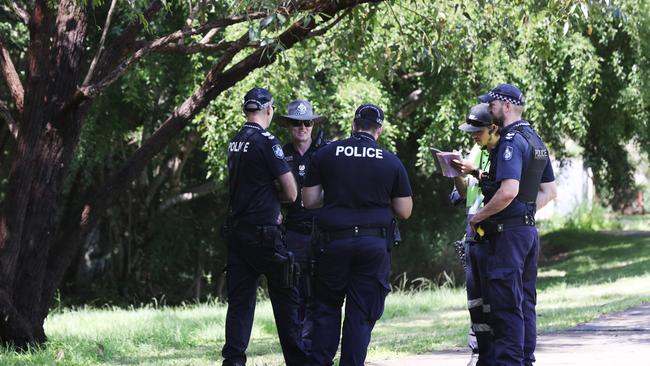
(592, 258)
(207, 354)
(191, 356)
(420, 333)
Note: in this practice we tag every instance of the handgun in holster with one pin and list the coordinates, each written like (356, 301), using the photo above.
(316, 247)
(273, 237)
(394, 237)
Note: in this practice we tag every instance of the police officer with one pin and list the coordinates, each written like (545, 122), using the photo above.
(466, 190)
(299, 121)
(256, 166)
(520, 181)
(362, 188)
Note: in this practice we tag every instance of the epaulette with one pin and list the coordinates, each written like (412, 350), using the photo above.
(268, 135)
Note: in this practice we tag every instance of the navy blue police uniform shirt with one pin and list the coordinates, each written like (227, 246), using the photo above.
(512, 155)
(300, 165)
(255, 199)
(359, 179)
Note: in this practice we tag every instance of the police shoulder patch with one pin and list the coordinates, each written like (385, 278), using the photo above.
(277, 151)
(507, 153)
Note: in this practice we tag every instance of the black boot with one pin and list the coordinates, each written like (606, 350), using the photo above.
(232, 363)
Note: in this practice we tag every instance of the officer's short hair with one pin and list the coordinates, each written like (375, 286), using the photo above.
(519, 109)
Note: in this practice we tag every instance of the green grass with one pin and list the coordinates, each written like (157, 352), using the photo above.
(582, 275)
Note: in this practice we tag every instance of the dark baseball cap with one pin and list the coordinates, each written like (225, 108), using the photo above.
(369, 112)
(257, 99)
(504, 92)
(479, 117)
(300, 110)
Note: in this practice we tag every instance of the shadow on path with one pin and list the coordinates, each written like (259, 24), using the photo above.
(613, 339)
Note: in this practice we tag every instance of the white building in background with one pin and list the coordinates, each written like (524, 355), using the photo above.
(575, 186)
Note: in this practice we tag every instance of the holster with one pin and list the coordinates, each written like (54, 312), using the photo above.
(289, 268)
(394, 237)
(272, 237)
(490, 227)
(316, 247)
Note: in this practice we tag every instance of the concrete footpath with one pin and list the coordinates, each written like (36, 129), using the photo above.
(615, 339)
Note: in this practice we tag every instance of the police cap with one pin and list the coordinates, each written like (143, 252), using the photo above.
(369, 112)
(506, 93)
(479, 117)
(257, 99)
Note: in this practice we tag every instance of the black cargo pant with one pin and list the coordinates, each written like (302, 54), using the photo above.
(248, 258)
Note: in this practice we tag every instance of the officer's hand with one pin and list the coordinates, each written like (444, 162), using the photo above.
(474, 221)
(464, 166)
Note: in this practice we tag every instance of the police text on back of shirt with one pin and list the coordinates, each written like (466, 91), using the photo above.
(359, 152)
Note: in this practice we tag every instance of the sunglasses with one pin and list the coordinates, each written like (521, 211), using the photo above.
(302, 123)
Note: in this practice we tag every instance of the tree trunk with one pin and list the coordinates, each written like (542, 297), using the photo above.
(45, 148)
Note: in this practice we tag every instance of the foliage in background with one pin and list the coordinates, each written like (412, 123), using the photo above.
(425, 63)
(582, 65)
(586, 217)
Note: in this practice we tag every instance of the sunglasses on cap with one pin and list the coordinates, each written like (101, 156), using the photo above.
(301, 123)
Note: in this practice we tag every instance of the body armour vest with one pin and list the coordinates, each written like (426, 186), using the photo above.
(532, 174)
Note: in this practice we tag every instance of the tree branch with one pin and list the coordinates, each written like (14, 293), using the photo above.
(414, 100)
(173, 167)
(192, 194)
(102, 40)
(208, 36)
(195, 47)
(11, 122)
(16, 10)
(193, 10)
(92, 90)
(123, 45)
(323, 30)
(215, 83)
(11, 77)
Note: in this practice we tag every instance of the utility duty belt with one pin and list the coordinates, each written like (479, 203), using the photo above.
(320, 239)
(491, 227)
(354, 232)
(271, 237)
(299, 227)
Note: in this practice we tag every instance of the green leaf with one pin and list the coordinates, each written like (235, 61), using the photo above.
(266, 21)
(253, 34)
(585, 10)
(565, 29)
